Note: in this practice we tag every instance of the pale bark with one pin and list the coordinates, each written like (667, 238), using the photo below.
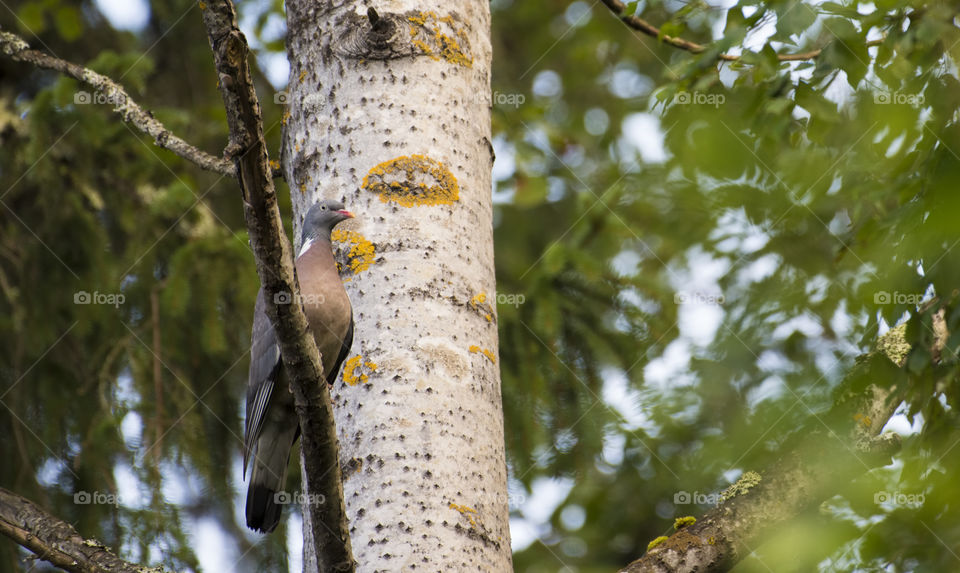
(390, 113)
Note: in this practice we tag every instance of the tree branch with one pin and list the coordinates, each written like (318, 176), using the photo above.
(324, 523)
(841, 446)
(17, 49)
(55, 541)
(618, 8)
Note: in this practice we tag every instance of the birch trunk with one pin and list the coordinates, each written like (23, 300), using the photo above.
(389, 111)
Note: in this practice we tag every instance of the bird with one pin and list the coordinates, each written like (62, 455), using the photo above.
(271, 427)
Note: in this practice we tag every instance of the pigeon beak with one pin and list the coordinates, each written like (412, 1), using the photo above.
(346, 213)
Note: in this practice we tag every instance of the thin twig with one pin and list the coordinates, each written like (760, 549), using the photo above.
(641, 25)
(325, 525)
(16, 48)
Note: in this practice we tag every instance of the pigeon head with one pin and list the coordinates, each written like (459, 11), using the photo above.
(321, 219)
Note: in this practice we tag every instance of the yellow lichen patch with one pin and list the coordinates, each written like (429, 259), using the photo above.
(479, 302)
(424, 47)
(863, 420)
(303, 75)
(350, 367)
(362, 253)
(420, 18)
(451, 51)
(894, 344)
(303, 188)
(416, 180)
(274, 164)
(656, 542)
(440, 38)
(740, 487)
(465, 511)
(681, 522)
(490, 356)
(285, 117)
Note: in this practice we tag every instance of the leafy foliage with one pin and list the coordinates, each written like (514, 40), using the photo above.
(703, 251)
(127, 285)
(796, 210)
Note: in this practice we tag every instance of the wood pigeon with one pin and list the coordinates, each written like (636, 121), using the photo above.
(271, 425)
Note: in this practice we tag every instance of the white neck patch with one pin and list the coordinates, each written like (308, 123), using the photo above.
(305, 247)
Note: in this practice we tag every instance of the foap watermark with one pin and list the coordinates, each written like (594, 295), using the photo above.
(513, 299)
(281, 98)
(515, 500)
(514, 99)
(884, 98)
(898, 498)
(300, 498)
(685, 297)
(284, 297)
(114, 299)
(699, 98)
(884, 297)
(96, 498)
(83, 98)
(695, 497)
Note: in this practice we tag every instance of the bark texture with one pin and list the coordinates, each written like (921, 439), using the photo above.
(389, 111)
(57, 542)
(325, 524)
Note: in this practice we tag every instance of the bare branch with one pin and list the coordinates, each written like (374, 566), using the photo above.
(53, 540)
(618, 8)
(17, 49)
(325, 524)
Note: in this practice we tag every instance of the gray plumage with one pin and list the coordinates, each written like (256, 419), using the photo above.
(271, 424)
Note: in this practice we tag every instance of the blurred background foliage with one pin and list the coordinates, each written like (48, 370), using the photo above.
(703, 252)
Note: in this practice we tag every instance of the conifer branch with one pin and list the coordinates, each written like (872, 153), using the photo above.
(109, 91)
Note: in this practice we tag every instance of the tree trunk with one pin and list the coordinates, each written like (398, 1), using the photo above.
(390, 112)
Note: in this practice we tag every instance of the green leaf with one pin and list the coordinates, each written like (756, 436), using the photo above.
(672, 28)
(31, 16)
(793, 18)
(736, 22)
(69, 23)
(840, 10)
(847, 52)
(530, 191)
